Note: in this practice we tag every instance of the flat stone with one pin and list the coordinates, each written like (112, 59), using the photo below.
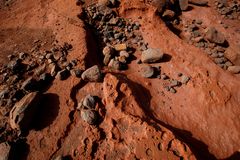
(215, 36)
(183, 4)
(234, 69)
(4, 151)
(92, 74)
(89, 116)
(147, 71)
(120, 47)
(89, 102)
(151, 55)
(24, 111)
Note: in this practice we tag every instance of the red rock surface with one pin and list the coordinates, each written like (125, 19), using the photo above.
(140, 119)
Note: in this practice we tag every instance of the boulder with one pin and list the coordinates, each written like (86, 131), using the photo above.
(23, 111)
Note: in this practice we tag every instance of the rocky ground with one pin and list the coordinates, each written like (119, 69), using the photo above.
(119, 79)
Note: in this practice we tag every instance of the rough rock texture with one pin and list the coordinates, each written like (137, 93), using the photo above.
(4, 151)
(92, 74)
(135, 112)
(151, 55)
(24, 111)
(215, 36)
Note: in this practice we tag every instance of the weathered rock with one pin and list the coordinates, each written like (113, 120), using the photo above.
(215, 36)
(53, 69)
(124, 53)
(4, 151)
(122, 59)
(114, 64)
(108, 50)
(22, 55)
(172, 90)
(89, 102)
(23, 111)
(15, 66)
(63, 74)
(185, 79)
(151, 55)
(92, 74)
(147, 71)
(89, 116)
(106, 59)
(120, 47)
(234, 69)
(183, 4)
(233, 55)
(199, 2)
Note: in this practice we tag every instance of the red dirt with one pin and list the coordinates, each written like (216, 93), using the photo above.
(200, 121)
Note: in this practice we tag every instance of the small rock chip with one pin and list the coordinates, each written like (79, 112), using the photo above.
(4, 151)
(106, 59)
(120, 47)
(172, 90)
(63, 74)
(234, 69)
(124, 53)
(114, 64)
(215, 36)
(183, 4)
(107, 50)
(147, 71)
(89, 116)
(151, 55)
(185, 79)
(23, 111)
(89, 102)
(92, 74)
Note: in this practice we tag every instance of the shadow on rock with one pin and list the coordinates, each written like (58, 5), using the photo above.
(19, 150)
(47, 111)
(143, 98)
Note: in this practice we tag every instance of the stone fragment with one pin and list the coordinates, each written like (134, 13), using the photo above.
(168, 14)
(24, 111)
(89, 116)
(185, 79)
(92, 74)
(147, 71)
(120, 47)
(108, 51)
(89, 102)
(4, 151)
(114, 64)
(215, 36)
(151, 55)
(234, 69)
